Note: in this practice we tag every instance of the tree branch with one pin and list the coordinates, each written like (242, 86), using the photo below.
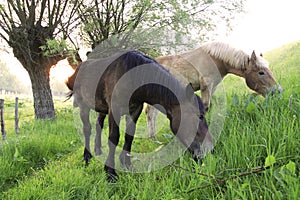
(72, 14)
(43, 7)
(50, 14)
(19, 11)
(59, 14)
(31, 8)
(185, 169)
(220, 181)
(6, 21)
(217, 181)
(4, 38)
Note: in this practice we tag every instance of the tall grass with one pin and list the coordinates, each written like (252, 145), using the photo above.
(38, 143)
(45, 160)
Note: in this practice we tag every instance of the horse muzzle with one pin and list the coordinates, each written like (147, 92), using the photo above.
(195, 151)
(275, 89)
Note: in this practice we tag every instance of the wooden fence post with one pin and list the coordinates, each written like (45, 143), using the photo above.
(2, 119)
(17, 116)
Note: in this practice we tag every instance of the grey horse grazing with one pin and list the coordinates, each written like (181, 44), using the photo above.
(119, 85)
(206, 66)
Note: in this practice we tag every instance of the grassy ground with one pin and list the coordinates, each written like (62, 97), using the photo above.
(45, 160)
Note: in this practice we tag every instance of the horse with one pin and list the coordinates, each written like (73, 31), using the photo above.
(206, 66)
(120, 85)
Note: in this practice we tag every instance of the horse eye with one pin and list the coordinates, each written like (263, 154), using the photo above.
(261, 73)
(201, 117)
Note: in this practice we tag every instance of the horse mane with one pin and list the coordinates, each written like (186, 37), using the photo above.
(234, 57)
(135, 58)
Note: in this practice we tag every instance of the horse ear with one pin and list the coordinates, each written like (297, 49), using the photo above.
(189, 91)
(253, 57)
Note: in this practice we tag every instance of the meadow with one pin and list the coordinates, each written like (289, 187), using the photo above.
(256, 157)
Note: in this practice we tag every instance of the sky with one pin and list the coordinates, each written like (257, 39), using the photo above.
(265, 25)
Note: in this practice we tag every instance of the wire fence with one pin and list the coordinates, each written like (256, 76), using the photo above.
(16, 118)
(2, 123)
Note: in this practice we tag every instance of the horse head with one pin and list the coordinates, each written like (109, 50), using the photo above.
(259, 77)
(189, 124)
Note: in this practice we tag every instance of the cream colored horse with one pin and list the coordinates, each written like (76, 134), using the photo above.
(206, 66)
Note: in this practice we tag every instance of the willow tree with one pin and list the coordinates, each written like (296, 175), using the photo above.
(155, 24)
(36, 31)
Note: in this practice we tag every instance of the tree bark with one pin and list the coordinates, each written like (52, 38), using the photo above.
(42, 95)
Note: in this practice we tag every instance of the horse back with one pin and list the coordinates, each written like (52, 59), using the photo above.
(181, 68)
(96, 78)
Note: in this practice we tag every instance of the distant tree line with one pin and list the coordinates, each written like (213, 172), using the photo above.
(9, 82)
(59, 88)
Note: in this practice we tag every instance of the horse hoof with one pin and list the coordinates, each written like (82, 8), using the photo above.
(111, 175)
(111, 178)
(87, 156)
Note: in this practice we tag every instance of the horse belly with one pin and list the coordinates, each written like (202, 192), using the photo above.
(186, 73)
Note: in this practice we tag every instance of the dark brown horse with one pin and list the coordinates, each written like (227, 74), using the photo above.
(119, 85)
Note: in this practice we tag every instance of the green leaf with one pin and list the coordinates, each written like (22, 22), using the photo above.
(53, 47)
(18, 157)
(245, 185)
(291, 166)
(16, 154)
(251, 108)
(270, 160)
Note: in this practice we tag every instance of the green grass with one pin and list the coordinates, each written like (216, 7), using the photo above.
(45, 160)
(38, 143)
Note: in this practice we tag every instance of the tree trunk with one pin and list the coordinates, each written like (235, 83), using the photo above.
(42, 96)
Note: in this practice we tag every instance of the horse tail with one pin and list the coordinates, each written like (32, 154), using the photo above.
(70, 83)
(71, 80)
(68, 96)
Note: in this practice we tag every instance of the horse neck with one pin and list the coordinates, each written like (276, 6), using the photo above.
(168, 107)
(225, 68)
(165, 99)
(235, 71)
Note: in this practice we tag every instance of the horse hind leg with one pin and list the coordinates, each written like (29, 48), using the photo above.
(99, 128)
(113, 140)
(129, 136)
(84, 115)
(151, 114)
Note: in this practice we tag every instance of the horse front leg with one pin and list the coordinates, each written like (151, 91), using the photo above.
(85, 118)
(129, 136)
(206, 93)
(113, 140)
(99, 127)
(205, 97)
(151, 114)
